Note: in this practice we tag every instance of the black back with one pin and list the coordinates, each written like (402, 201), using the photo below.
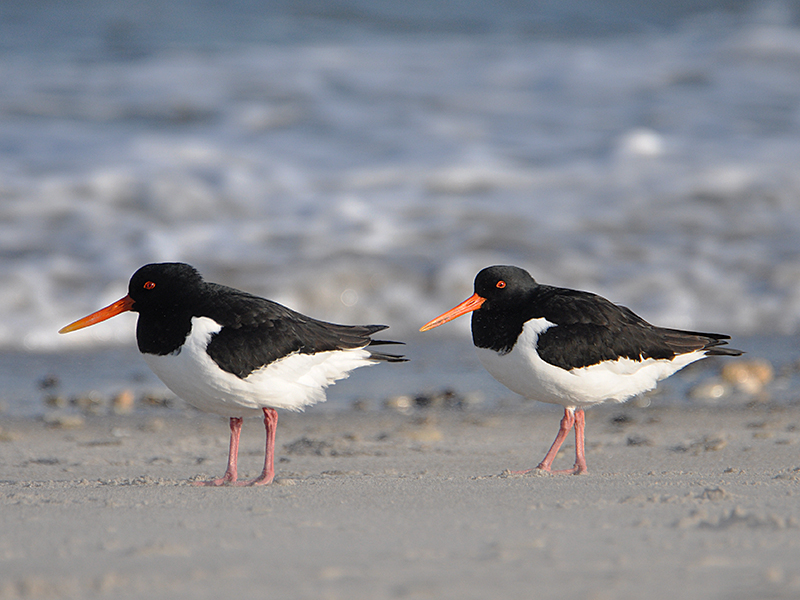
(255, 331)
(588, 328)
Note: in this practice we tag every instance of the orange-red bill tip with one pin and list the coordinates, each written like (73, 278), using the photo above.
(474, 302)
(120, 306)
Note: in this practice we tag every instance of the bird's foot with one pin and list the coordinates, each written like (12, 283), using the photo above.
(525, 472)
(263, 479)
(576, 470)
(229, 477)
(533, 471)
(543, 468)
(214, 482)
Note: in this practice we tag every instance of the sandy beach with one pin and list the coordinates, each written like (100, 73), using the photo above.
(380, 504)
(360, 162)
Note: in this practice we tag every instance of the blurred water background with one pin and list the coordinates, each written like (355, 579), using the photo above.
(361, 160)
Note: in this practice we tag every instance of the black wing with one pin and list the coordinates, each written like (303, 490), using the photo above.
(256, 332)
(590, 329)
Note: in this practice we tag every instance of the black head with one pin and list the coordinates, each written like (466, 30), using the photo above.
(497, 289)
(506, 292)
(163, 286)
(503, 285)
(159, 293)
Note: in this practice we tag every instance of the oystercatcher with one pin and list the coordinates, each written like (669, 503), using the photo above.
(228, 352)
(572, 348)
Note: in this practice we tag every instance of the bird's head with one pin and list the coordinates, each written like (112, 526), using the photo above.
(154, 287)
(495, 287)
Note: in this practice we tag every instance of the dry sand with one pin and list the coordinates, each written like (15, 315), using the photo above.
(677, 504)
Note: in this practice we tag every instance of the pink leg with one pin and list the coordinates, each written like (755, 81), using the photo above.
(580, 458)
(566, 424)
(233, 453)
(270, 424)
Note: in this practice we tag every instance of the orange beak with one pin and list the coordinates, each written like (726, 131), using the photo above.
(474, 302)
(120, 306)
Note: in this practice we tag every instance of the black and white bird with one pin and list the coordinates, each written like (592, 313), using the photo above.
(232, 353)
(572, 348)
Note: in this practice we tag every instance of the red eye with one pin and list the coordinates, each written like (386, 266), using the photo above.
(149, 285)
(501, 284)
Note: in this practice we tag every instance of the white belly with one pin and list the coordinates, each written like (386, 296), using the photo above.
(523, 372)
(292, 383)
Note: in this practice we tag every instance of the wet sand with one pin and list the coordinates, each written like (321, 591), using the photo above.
(379, 504)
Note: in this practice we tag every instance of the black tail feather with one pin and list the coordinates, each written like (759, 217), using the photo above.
(382, 355)
(687, 341)
(385, 342)
(724, 351)
(392, 358)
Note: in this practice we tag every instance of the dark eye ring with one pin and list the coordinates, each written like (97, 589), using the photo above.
(149, 285)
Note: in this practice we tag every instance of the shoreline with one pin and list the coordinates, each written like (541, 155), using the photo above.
(95, 377)
(380, 504)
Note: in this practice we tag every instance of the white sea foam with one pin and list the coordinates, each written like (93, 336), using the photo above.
(367, 178)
